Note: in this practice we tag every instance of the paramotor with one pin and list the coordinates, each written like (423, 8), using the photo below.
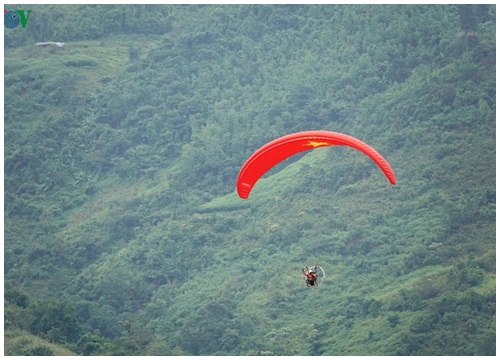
(318, 270)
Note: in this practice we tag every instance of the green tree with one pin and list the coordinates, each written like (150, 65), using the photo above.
(56, 321)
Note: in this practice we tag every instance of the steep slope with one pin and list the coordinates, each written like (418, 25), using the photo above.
(121, 156)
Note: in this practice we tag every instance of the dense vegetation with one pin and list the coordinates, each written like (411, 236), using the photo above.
(123, 231)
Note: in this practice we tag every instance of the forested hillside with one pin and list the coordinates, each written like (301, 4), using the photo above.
(124, 234)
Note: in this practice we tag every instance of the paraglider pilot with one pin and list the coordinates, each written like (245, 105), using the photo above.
(310, 276)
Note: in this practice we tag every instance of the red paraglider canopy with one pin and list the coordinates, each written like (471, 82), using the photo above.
(279, 149)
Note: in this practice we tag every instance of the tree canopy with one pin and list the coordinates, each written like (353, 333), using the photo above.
(124, 234)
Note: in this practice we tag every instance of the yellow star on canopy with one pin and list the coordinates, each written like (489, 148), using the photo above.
(317, 143)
